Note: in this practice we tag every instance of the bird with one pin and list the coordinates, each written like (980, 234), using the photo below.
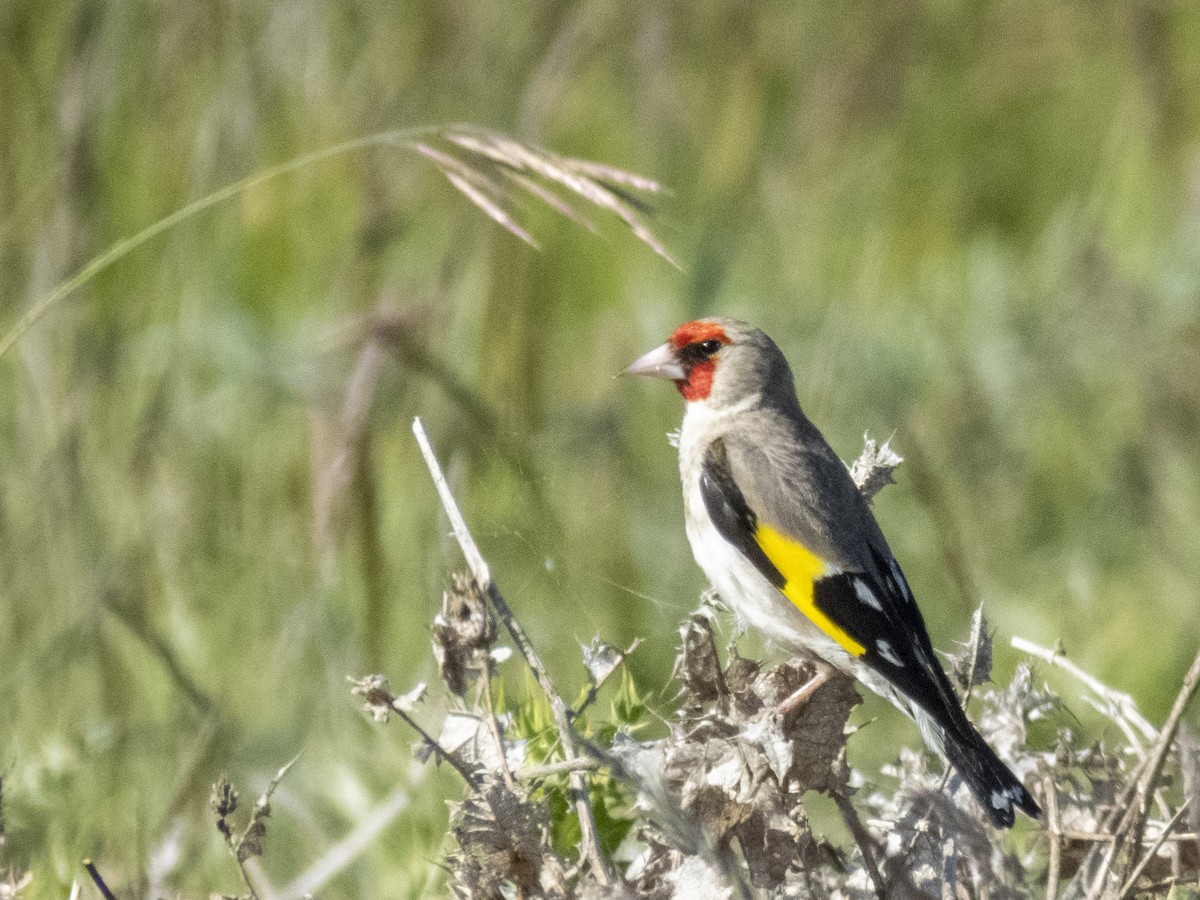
(792, 547)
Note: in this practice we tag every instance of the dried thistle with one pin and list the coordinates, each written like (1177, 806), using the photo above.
(973, 666)
(718, 801)
(379, 702)
(872, 471)
(463, 633)
(739, 768)
(224, 803)
(698, 665)
(504, 845)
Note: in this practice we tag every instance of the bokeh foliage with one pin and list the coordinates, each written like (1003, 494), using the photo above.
(971, 224)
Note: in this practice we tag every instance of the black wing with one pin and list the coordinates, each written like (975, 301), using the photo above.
(730, 513)
(879, 613)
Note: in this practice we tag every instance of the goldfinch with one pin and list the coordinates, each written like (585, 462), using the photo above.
(789, 543)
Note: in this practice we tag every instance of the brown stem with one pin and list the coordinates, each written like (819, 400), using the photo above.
(863, 838)
(1128, 835)
(1054, 829)
(493, 725)
(438, 750)
(103, 888)
(1127, 888)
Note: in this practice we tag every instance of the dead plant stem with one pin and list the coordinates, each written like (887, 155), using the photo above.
(589, 844)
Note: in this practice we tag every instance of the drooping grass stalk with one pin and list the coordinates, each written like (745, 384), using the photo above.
(480, 163)
(125, 246)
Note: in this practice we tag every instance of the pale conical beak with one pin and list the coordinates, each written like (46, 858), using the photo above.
(660, 362)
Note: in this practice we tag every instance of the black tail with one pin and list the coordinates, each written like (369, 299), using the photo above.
(992, 783)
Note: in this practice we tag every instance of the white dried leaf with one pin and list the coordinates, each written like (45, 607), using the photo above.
(407, 702)
(872, 471)
(777, 749)
(515, 752)
(460, 730)
(697, 880)
(600, 659)
(501, 654)
(470, 738)
(727, 775)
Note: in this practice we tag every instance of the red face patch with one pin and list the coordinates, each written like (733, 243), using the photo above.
(686, 340)
(695, 332)
(699, 382)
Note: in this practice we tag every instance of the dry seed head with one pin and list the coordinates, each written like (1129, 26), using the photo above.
(463, 633)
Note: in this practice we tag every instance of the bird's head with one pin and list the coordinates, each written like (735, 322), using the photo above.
(717, 360)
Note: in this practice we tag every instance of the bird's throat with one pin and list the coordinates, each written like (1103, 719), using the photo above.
(699, 381)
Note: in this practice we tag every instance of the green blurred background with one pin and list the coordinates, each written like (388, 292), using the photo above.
(971, 224)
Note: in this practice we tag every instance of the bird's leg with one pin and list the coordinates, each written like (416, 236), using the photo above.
(806, 690)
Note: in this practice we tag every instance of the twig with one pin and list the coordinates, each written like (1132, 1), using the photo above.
(380, 703)
(949, 870)
(862, 837)
(438, 750)
(1054, 829)
(103, 888)
(1121, 804)
(493, 725)
(1127, 888)
(1136, 819)
(1122, 709)
(1119, 701)
(1097, 837)
(470, 551)
(1167, 883)
(589, 842)
(583, 764)
(1129, 833)
(248, 844)
(1109, 822)
(262, 881)
(1158, 753)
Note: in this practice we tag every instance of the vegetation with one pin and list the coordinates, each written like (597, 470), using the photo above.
(970, 225)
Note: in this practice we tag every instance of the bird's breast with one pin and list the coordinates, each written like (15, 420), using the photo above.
(755, 601)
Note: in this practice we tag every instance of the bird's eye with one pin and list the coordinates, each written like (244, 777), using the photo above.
(709, 347)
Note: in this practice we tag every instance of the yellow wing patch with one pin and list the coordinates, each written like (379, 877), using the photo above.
(800, 567)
